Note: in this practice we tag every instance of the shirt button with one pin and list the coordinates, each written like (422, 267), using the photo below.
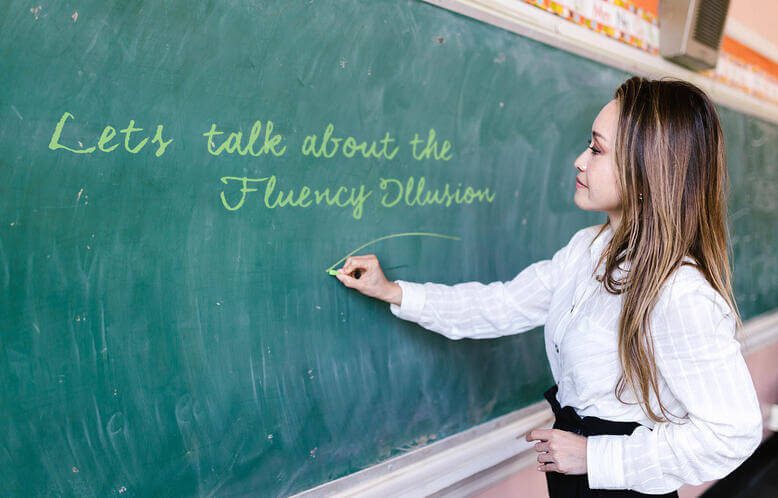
(556, 347)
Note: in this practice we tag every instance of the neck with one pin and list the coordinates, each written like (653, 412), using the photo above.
(615, 219)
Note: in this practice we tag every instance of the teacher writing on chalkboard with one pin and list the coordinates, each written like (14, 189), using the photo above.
(652, 391)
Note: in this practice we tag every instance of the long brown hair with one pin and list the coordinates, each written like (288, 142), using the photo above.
(671, 162)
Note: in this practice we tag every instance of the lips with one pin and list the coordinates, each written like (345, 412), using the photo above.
(578, 182)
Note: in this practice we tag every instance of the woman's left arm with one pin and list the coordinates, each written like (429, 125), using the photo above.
(699, 358)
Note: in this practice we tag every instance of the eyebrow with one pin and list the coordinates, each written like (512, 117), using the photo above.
(598, 134)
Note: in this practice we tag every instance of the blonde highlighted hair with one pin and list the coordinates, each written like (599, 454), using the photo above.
(671, 162)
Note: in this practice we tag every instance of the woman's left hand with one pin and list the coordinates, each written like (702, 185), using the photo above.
(559, 451)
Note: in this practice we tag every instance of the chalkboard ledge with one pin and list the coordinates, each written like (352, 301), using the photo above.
(447, 462)
(475, 459)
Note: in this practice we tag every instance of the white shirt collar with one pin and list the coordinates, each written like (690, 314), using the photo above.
(598, 244)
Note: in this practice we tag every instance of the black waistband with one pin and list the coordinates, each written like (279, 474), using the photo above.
(568, 420)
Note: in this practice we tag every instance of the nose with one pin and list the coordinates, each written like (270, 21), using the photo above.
(580, 163)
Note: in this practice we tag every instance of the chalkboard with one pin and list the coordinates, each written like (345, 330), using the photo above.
(168, 327)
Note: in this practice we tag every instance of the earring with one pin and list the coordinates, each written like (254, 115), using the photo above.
(640, 197)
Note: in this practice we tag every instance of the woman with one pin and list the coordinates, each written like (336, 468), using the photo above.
(652, 391)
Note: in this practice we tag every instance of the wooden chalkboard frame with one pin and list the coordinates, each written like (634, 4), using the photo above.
(481, 456)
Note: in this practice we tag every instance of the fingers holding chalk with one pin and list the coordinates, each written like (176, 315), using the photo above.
(355, 266)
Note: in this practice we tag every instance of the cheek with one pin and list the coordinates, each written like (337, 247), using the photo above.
(604, 183)
(614, 184)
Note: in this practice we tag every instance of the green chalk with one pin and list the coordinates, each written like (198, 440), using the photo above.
(332, 271)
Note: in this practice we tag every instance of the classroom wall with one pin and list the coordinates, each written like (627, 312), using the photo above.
(747, 58)
(759, 17)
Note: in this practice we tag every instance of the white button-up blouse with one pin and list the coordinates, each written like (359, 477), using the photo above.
(715, 421)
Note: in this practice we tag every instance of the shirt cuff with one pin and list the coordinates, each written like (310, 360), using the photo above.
(605, 462)
(413, 299)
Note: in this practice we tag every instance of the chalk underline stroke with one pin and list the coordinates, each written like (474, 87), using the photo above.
(392, 236)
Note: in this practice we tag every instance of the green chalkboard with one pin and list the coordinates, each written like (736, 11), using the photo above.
(167, 326)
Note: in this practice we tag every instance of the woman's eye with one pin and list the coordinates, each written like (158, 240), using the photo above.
(588, 146)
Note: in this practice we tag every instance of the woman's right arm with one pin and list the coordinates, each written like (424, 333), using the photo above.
(466, 310)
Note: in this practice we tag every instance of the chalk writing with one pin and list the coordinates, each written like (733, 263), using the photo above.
(109, 132)
(331, 269)
(430, 148)
(406, 192)
(263, 140)
(341, 197)
(328, 146)
(397, 191)
(270, 141)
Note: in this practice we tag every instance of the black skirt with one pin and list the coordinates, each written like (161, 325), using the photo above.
(570, 486)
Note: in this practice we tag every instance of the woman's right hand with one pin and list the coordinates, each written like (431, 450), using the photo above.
(364, 274)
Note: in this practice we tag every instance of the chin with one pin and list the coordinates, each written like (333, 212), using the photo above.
(588, 208)
(582, 205)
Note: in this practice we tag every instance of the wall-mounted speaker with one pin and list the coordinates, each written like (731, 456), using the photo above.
(690, 31)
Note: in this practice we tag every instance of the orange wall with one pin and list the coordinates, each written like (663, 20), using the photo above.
(758, 15)
(649, 5)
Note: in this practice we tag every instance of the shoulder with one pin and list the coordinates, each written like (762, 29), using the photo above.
(687, 291)
(692, 322)
(592, 230)
(586, 235)
(580, 243)
(589, 241)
